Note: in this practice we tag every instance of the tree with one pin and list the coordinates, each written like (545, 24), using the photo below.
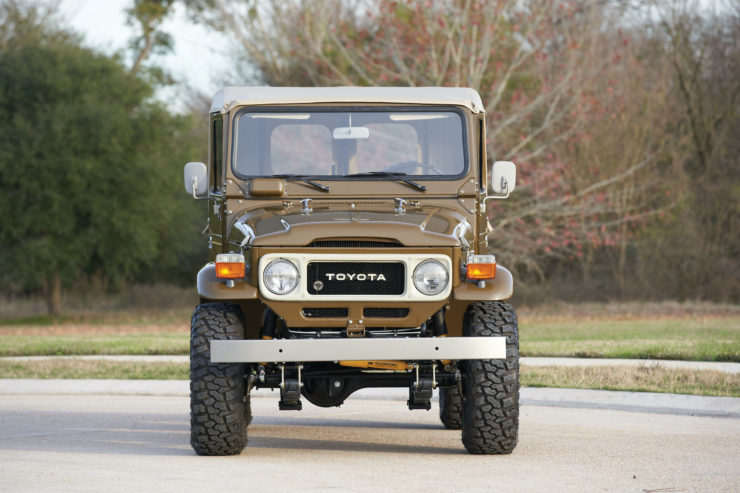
(702, 48)
(90, 166)
(148, 16)
(621, 116)
(541, 68)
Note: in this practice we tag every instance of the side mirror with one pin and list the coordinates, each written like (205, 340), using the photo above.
(196, 179)
(503, 178)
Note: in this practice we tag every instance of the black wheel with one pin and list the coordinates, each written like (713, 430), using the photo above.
(490, 418)
(219, 404)
(450, 407)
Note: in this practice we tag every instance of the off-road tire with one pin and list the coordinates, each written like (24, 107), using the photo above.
(490, 418)
(219, 404)
(450, 407)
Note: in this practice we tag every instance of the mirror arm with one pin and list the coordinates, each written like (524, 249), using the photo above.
(497, 196)
(194, 185)
(194, 182)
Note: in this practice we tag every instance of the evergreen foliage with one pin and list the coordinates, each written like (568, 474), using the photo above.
(90, 165)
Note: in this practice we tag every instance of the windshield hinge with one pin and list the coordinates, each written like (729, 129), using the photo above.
(306, 203)
(399, 206)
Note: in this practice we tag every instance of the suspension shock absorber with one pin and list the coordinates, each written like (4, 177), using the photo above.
(269, 324)
(439, 328)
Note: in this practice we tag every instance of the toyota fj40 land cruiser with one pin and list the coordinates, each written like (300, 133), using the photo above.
(348, 249)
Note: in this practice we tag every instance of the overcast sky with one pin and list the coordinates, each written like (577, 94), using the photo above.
(198, 53)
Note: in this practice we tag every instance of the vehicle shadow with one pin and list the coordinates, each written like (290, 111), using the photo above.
(286, 443)
(349, 423)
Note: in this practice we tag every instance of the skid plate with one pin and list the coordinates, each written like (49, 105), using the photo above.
(304, 350)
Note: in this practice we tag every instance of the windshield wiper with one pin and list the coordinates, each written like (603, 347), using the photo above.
(304, 179)
(394, 175)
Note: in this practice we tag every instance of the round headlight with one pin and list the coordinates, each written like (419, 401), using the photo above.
(430, 277)
(280, 276)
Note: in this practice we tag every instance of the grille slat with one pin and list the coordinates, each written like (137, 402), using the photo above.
(354, 244)
(384, 312)
(356, 278)
(313, 312)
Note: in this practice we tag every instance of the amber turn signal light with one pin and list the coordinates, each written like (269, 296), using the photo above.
(481, 267)
(230, 266)
(481, 271)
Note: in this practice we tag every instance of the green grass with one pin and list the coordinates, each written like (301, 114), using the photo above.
(665, 330)
(637, 379)
(113, 317)
(696, 338)
(77, 369)
(72, 345)
(700, 339)
(641, 379)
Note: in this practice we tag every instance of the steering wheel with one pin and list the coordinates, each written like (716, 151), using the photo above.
(399, 167)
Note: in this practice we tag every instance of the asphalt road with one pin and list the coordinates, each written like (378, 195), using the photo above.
(93, 442)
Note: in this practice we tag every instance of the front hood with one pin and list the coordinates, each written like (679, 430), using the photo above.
(295, 226)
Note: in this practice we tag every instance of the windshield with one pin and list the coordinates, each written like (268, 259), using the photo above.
(343, 143)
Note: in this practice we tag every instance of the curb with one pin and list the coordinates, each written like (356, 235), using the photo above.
(644, 402)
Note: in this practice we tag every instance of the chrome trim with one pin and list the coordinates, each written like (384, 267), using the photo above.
(301, 261)
(248, 233)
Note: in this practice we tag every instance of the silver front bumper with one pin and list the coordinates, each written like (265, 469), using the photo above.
(404, 349)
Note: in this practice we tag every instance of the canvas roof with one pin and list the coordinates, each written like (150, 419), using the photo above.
(227, 98)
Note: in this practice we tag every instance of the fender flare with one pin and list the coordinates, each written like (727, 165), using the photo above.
(212, 288)
(500, 288)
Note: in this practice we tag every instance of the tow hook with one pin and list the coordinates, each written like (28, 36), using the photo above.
(356, 329)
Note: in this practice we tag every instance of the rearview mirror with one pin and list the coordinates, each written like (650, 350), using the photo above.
(354, 133)
(196, 179)
(503, 178)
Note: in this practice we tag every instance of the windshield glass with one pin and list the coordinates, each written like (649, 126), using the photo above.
(342, 143)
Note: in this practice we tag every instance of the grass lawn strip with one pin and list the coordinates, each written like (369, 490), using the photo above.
(641, 378)
(693, 338)
(94, 369)
(634, 378)
(106, 344)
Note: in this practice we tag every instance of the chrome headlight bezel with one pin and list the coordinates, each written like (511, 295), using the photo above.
(431, 277)
(291, 275)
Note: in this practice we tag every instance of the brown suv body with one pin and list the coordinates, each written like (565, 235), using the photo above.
(322, 222)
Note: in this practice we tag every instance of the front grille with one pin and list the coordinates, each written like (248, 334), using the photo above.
(325, 312)
(372, 312)
(334, 333)
(354, 244)
(356, 278)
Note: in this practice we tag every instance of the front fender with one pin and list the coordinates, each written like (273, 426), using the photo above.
(212, 288)
(500, 288)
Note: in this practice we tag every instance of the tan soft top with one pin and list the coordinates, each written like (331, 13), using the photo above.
(227, 98)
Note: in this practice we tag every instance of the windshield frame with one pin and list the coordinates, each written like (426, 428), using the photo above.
(355, 109)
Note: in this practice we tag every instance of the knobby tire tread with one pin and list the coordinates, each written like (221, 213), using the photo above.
(490, 417)
(450, 407)
(219, 404)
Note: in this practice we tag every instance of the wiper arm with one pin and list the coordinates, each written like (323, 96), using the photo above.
(396, 176)
(304, 179)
